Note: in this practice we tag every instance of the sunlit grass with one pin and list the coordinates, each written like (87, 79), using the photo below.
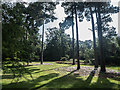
(114, 67)
(45, 76)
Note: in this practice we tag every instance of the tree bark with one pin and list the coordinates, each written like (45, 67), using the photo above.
(42, 44)
(62, 44)
(73, 56)
(102, 61)
(78, 62)
(94, 39)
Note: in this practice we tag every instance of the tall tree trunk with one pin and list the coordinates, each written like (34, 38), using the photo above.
(98, 55)
(94, 39)
(78, 62)
(102, 61)
(42, 44)
(62, 44)
(26, 40)
(73, 56)
(26, 36)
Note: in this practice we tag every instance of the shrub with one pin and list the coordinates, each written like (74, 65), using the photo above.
(91, 61)
(65, 58)
(112, 60)
(86, 61)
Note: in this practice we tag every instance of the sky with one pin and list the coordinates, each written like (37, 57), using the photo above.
(84, 33)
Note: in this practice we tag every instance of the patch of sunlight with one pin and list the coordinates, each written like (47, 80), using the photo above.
(44, 82)
(113, 81)
(67, 86)
(81, 77)
(114, 67)
(6, 81)
(94, 80)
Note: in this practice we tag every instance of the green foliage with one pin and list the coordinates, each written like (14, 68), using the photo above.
(20, 33)
(16, 68)
(65, 58)
(86, 50)
(20, 28)
(57, 44)
(111, 51)
(118, 40)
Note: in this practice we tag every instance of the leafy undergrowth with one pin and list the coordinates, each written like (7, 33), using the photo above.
(52, 75)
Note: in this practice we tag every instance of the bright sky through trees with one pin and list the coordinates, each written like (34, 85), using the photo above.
(84, 33)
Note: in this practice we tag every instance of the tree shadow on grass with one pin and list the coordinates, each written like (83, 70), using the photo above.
(18, 77)
(67, 81)
(51, 69)
(31, 83)
(103, 79)
(72, 81)
(54, 80)
(32, 70)
(104, 82)
(90, 77)
(7, 77)
(114, 76)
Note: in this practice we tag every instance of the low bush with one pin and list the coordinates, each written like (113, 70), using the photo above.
(65, 58)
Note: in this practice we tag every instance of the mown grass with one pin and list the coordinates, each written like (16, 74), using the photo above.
(46, 76)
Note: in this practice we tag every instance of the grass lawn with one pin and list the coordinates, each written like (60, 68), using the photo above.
(53, 75)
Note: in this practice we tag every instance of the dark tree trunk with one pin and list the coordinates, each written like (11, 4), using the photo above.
(73, 56)
(78, 62)
(26, 37)
(102, 61)
(42, 44)
(62, 44)
(94, 39)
